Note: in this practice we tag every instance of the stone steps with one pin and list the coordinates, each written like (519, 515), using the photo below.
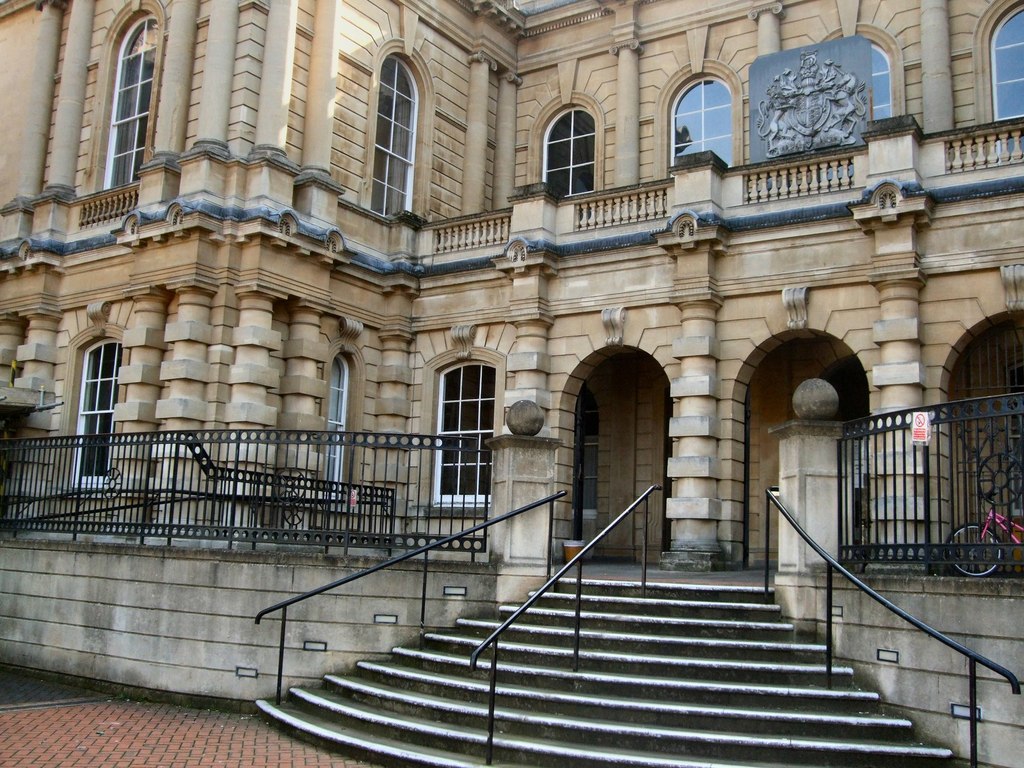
(689, 677)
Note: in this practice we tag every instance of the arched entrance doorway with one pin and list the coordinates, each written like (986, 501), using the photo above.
(620, 449)
(769, 402)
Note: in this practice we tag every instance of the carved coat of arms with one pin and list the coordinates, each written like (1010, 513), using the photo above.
(818, 106)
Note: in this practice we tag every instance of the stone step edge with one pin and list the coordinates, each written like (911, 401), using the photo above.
(596, 634)
(643, 659)
(669, 586)
(667, 621)
(575, 699)
(479, 736)
(661, 602)
(636, 680)
(436, 758)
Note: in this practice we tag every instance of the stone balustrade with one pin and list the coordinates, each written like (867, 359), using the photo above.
(106, 206)
(631, 206)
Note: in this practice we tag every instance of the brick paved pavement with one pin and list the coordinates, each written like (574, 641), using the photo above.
(45, 725)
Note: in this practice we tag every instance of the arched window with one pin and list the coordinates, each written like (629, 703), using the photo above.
(337, 408)
(703, 121)
(569, 154)
(395, 140)
(881, 84)
(96, 407)
(1008, 68)
(129, 121)
(466, 409)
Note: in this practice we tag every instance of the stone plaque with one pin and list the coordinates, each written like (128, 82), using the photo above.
(809, 98)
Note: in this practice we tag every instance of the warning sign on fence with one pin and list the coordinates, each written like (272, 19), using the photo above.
(921, 427)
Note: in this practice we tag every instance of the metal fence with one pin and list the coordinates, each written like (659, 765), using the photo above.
(902, 501)
(246, 487)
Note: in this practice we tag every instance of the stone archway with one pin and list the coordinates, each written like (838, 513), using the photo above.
(620, 450)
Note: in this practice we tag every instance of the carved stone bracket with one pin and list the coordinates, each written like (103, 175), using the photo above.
(795, 302)
(349, 329)
(614, 319)
(1013, 286)
(462, 338)
(98, 313)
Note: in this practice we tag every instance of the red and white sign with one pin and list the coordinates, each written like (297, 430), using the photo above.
(921, 427)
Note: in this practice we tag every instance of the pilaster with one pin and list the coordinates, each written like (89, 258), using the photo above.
(505, 140)
(303, 388)
(187, 372)
(769, 27)
(627, 119)
(252, 377)
(144, 346)
(480, 68)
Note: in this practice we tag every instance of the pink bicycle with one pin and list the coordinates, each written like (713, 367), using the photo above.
(997, 529)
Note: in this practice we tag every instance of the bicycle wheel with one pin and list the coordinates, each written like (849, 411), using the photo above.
(966, 557)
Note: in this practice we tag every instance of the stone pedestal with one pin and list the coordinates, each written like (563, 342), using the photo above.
(524, 471)
(808, 484)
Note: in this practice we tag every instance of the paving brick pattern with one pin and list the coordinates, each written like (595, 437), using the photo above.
(43, 725)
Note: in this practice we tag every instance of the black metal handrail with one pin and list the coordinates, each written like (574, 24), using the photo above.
(577, 561)
(974, 658)
(423, 550)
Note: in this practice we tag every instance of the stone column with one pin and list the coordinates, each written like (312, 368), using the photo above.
(480, 67)
(67, 131)
(218, 73)
(695, 507)
(899, 376)
(936, 72)
(187, 372)
(144, 347)
(38, 358)
(322, 92)
(276, 77)
(505, 140)
(769, 27)
(808, 485)
(252, 376)
(36, 126)
(627, 120)
(176, 78)
(529, 362)
(396, 337)
(302, 386)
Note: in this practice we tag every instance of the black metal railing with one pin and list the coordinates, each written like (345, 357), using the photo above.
(901, 499)
(453, 541)
(577, 562)
(973, 657)
(243, 487)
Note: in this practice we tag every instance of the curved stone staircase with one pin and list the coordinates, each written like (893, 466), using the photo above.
(688, 677)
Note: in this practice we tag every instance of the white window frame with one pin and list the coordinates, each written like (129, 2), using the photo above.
(573, 167)
(700, 144)
(136, 119)
(879, 55)
(384, 144)
(481, 431)
(337, 416)
(1018, 46)
(97, 399)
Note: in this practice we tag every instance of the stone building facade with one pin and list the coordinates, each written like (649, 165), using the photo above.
(313, 214)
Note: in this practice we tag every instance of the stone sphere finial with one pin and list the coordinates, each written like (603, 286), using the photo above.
(524, 417)
(815, 400)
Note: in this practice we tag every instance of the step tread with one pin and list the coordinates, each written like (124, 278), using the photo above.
(618, 678)
(645, 706)
(662, 602)
(478, 735)
(703, 642)
(667, 621)
(669, 661)
(673, 586)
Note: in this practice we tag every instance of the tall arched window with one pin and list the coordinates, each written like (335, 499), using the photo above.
(96, 407)
(881, 84)
(466, 409)
(395, 140)
(133, 95)
(702, 121)
(337, 408)
(1008, 68)
(569, 154)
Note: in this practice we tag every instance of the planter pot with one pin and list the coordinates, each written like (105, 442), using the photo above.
(572, 548)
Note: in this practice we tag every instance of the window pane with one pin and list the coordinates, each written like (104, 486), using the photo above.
(558, 182)
(583, 150)
(558, 155)
(395, 139)
(1010, 98)
(562, 129)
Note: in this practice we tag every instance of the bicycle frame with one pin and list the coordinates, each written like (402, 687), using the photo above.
(1005, 524)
